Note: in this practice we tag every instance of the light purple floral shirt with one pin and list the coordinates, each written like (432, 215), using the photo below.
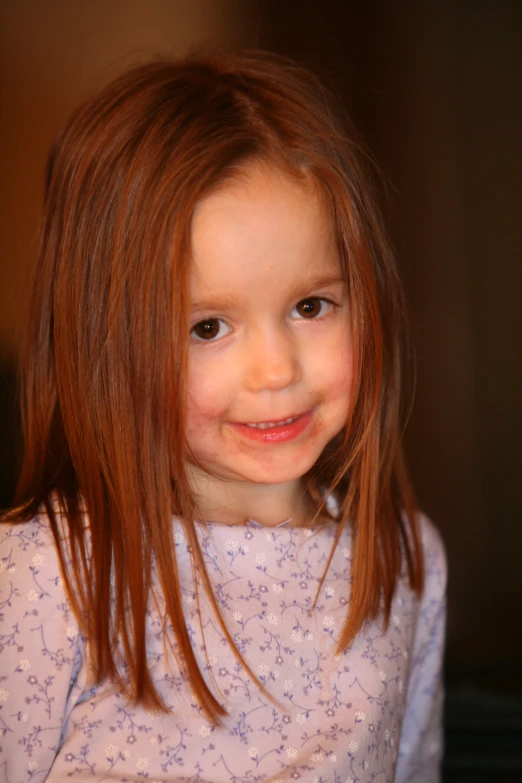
(370, 714)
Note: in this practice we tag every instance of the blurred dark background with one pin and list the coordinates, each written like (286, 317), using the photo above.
(436, 90)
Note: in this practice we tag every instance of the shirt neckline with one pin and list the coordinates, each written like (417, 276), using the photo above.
(253, 523)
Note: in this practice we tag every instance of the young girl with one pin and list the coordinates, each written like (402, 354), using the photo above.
(215, 570)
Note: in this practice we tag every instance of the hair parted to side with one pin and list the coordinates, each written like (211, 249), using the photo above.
(104, 370)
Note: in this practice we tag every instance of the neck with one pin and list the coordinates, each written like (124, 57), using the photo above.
(233, 503)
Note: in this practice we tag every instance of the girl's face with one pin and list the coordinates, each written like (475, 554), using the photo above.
(270, 356)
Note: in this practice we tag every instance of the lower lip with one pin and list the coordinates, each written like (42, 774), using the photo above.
(279, 434)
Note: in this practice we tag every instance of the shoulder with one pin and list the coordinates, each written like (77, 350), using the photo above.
(24, 540)
(431, 605)
(30, 574)
(40, 647)
(421, 734)
(435, 561)
(34, 608)
(23, 544)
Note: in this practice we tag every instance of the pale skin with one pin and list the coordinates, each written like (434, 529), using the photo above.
(270, 353)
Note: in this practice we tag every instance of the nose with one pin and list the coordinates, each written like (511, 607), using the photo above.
(272, 362)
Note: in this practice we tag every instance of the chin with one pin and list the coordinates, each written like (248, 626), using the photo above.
(274, 474)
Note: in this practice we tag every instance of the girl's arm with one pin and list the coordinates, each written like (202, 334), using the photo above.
(40, 652)
(420, 749)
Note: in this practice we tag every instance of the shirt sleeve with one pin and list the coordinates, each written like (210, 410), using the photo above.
(40, 652)
(420, 750)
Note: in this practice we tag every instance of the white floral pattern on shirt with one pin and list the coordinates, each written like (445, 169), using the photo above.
(372, 712)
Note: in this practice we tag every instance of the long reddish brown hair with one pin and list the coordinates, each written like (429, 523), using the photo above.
(105, 364)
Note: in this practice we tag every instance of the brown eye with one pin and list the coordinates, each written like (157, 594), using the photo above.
(311, 307)
(206, 330)
(210, 328)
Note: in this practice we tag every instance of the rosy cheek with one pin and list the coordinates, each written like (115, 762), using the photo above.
(345, 359)
(201, 415)
(336, 369)
(207, 389)
(338, 387)
(344, 378)
(200, 433)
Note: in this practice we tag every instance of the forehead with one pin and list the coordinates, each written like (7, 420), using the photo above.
(262, 223)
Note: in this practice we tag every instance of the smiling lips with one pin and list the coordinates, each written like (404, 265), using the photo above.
(263, 425)
(274, 431)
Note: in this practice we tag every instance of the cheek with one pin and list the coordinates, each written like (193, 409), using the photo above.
(202, 411)
(343, 379)
(206, 405)
(340, 394)
(338, 390)
(206, 392)
(335, 370)
(201, 429)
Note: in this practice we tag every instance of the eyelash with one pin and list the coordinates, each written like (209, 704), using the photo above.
(321, 299)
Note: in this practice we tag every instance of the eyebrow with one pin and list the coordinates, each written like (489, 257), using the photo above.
(316, 283)
(300, 291)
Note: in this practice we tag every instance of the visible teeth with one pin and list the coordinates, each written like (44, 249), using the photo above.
(265, 425)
